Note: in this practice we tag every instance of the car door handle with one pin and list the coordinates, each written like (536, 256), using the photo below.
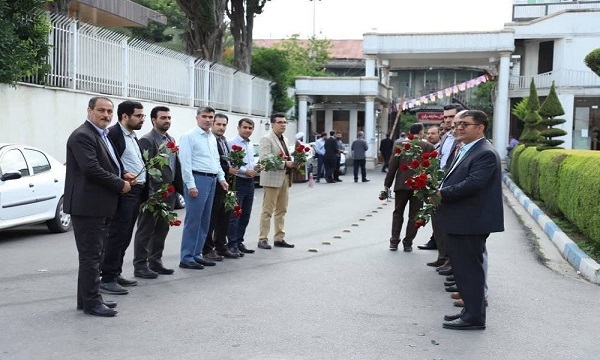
(55, 180)
(30, 185)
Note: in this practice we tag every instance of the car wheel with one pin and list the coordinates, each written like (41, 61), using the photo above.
(61, 222)
(343, 170)
(179, 201)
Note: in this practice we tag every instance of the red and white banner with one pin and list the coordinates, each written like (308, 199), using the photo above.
(429, 117)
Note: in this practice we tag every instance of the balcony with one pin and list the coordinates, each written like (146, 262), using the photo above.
(526, 12)
(343, 87)
(114, 13)
(561, 77)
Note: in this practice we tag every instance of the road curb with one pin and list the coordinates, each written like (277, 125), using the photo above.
(580, 261)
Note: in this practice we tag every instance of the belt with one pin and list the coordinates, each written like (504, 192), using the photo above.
(244, 178)
(203, 173)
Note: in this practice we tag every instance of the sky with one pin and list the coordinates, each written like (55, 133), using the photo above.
(350, 19)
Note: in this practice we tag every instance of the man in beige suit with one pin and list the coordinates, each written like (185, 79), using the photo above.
(276, 184)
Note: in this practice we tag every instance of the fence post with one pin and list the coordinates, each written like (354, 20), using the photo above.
(249, 111)
(267, 98)
(192, 77)
(230, 100)
(74, 49)
(206, 84)
(125, 75)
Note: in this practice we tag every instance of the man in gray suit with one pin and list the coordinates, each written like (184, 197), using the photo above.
(152, 230)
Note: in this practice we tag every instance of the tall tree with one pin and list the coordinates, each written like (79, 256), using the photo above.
(241, 14)
(307, 57)
(550, 109)
(59, 6)
(157, 32)
(273, 64)
(205, 28)
(24, 31)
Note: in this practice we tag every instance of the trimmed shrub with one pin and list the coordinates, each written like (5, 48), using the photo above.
(549, 164)
(530, 135)
(528, 173)
(592, 60)
(550, 109)
(514, 163)
(579, 190)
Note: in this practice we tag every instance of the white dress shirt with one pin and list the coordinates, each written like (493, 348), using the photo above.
(248, 159)
(198, 152)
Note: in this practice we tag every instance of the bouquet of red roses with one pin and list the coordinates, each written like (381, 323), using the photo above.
(236, 156)
(299, 156)
(232, 204)
(157, 206)
(272, 162)
(426, 176)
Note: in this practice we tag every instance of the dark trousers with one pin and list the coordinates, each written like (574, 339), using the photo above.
(386, 162)
(330, 164)
(403, 197)
(149, 241)
(119, 233)
(466, 252)
(440, 237)
(238, 225)
(336, 170)
(90, 234)
(216, 239)
(360, 163)
(320, 166)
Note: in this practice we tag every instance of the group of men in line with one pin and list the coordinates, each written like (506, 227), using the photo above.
(470, 207)
(329, 150)
(107, 183)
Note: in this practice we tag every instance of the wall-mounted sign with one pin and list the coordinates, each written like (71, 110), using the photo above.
(427, 117)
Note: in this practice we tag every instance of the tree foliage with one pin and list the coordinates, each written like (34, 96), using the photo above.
(550, 109)
(205, 28)
(273, 64)
(520, 108)
(24, 31)
(161, 33)
(481, 98)
(59, 6)
(307, 57)
(241, 13)
(592, 60)
(531, 135)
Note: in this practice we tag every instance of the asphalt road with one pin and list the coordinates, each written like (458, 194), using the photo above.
(353, 299)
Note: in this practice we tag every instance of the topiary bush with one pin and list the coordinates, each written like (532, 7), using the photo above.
(592, 60)
(514, 163)
(528, 173)
(550, 109)
(530, 135)
(549, 165)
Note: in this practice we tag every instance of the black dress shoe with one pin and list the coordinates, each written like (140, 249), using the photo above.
(145, 273)
(193, 266)
(229, 254)
(446, 272)
(101, 310)
(241, 247)
(213, 256)
(205, 262)
(450, 278)
(159, 269)
(452, 288)
(452, 317)
(264, 244)
(329, 181)
(460, 324)
(407, 248)
(108, 303)
(283, 244)
(113, 288)
(427, 247)
(125, 282)
(449, 283)
(337, 180)
(366, 180)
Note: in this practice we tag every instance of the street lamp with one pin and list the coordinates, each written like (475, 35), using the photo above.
(314, 16)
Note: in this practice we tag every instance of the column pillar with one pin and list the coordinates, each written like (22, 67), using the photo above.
(302, 112)
(328, 120)
(501, 111)
(383, 120)
(370, 129)
(353, 126)
(370, 67)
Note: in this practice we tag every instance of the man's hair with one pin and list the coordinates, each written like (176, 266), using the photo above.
(94, 100)
(222, 116)
(128, 107)
(156, 109)
(360, 134)
(323, 134)
(478, 116)
(247, 121)
(415, 128)
(332, 133)
(204, 109)
(387, 135)
(277, 115)
(457, 107)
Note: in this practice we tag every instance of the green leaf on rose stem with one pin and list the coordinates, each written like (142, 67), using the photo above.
(154, 173)
(145, 155)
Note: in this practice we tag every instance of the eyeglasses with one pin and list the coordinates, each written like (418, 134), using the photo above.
(449, 116)
(464, 124)
(280, 122)
(141, 116)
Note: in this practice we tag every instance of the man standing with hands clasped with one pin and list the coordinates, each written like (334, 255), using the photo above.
(276, 184)
(470, 209)
(94, 179)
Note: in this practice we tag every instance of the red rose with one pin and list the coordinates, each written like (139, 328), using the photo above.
(300, 148)
(433, 154)
(164, 194)
(409, 181)
(419, 223)
(411, 136)
(306, 149)
(281, 154)
(425, 163)
(425, 156)
(177, 222)
(175, 149)
(404, 167)
(406, 147)
(380, 197)
(423, 176)
(237, 207)
(170, 144)
(171, 188)
(415, 164)
(397, 150)
(237, 213)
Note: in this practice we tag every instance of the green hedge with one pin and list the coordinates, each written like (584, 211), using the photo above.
(567, 181)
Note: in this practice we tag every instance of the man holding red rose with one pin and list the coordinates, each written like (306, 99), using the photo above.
(401, 171)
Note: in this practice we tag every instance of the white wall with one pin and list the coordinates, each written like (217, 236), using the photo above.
(45, 117)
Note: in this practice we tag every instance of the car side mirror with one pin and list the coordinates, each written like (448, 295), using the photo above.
(10, 176)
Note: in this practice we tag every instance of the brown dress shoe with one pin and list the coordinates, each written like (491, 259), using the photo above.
(394, 244)
(461, 303)
(455, 295)
(437, 263)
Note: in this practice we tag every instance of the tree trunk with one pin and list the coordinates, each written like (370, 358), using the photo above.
(60, 6)
(205, 28)
(241, 13)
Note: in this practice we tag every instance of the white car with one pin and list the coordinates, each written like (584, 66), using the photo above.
(31, 188)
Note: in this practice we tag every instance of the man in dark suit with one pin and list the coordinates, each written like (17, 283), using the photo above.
(94, 180)
(131, 117)
(331, 153)
(385, 148)
(471, 209)
(404, 195)
(215, 245)
(152, 230)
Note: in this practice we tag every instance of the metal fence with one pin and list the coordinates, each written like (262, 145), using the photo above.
(89, 58)
(561, 77)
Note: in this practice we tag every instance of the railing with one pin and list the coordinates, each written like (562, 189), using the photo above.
(89, 58)
(561, 77)
(523, 12)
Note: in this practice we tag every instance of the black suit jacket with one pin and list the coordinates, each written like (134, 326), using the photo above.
(386, 147)
(115, 134)
(472, 194)
(331, 147)
(223, 160)
(151, 142)
(92, 183)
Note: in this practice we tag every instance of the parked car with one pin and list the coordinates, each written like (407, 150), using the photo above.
(179, 201)
(31, 188)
